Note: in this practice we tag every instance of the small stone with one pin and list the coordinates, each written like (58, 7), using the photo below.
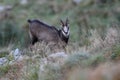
(23, 2)
(77, 1)
(3, 60)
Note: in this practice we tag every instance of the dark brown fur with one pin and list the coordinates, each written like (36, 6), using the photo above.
(40, 31)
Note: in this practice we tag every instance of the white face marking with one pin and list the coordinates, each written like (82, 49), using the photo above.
(65, 29)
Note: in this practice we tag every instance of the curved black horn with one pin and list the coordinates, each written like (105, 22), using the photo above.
(62, 22)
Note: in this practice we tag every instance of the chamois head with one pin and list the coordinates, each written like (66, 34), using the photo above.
(65, 28)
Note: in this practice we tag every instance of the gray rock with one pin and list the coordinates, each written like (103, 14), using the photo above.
(23, 2)
(16, 54)
(3, 8)
(3, 60)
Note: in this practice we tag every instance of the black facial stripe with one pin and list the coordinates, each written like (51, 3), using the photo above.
(64, 31)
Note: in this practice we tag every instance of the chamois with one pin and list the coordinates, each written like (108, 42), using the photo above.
(40, 31)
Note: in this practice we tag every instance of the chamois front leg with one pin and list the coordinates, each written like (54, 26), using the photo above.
(33, 41)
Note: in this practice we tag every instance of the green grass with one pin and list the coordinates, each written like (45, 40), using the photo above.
(3, 54)
(4, 69)
(115, 52)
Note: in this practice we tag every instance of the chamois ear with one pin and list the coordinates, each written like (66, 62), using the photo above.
(62, 22)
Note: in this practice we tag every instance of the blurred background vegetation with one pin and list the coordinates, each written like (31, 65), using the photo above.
(94, 38)
(84, 16)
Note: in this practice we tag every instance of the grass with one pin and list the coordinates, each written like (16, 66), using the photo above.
(85, 18)
(52, 73)
(3, 54)
(115, 52)
(4, 70)
(77, 61)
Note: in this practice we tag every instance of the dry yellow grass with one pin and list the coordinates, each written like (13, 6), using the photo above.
(106, 71)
